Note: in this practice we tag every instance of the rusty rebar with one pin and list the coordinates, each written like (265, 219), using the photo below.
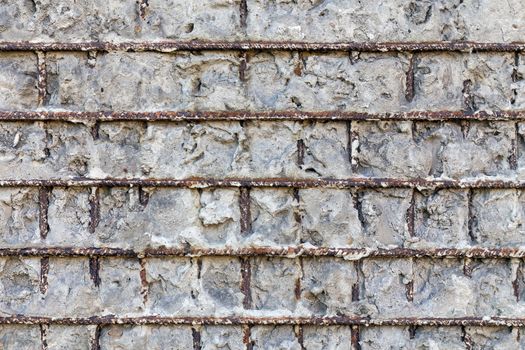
(42, 77)
(95, 340)
(246, 336)
(142, 7)
(411, 215)
(246, 281)
(44, 272)
(175, 116)
(94, 209)
(409, 291)
(245, 211)
(143, 280)
(412, 330)
(485, 321)
(243, 14)
(196, 45)
(467, 339)
(351, 182)
(410, 89)
(43, 203)
(355, 340)
(94, 270)
(283, 252)
(196, 334)
(356, 286)
(299, 335)
(514, 155)
(44, 329)
(516, 283)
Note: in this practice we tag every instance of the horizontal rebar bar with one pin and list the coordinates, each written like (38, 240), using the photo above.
(170, 45)
(289, 252)
(251, 320)
(74, 116)
(354, 182)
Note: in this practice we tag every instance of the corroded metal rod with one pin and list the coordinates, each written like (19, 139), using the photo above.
(253, 320)
(152, 116)
(170, 46)
(290, 252)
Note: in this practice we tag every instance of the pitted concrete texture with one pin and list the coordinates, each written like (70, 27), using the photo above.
(217, 175)
(302, 20)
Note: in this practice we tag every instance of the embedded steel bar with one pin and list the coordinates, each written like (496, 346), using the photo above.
(170, 46)
(76, 116)
(68, 252)
(251, 320)
(289, 252)
(354, 182)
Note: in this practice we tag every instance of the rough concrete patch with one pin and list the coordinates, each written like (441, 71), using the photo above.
(441, 219)
(18, 81)
(69, 337)
(222, 337)
(146, 337)
(171, 286)
(326, 284)
(19, 217)
(273, 217)
(274, 283)
(270, 337)
(328, 218)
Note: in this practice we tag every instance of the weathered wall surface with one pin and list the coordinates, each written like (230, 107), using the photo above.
(248, 174)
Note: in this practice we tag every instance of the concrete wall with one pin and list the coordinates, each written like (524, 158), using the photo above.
(297, 195)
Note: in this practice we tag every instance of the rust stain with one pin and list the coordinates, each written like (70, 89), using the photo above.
(143, 197)
(246, 336)
(410, 291)
(95, 130)
(245, 209)
(196, 334)
(300, 152)
(43, 201)
(297, 287)
(95, 341)
(243, 14)
(514, 154)
(42, 77)
(411, 214)
(356, 338)
(143, 6)
(516, 281)
(44, 328)
(297, 209)
(356, 286)
(467, 339)
(471, 218)
(243, 65)
(299, 335)
(143, 280)
(468, 99)
(94, 270)
(44, 271)
(412, 331)
(410, 87)
(299, 66)
(94, 209)
(467, 267)
(351, 137)
(246, 281)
